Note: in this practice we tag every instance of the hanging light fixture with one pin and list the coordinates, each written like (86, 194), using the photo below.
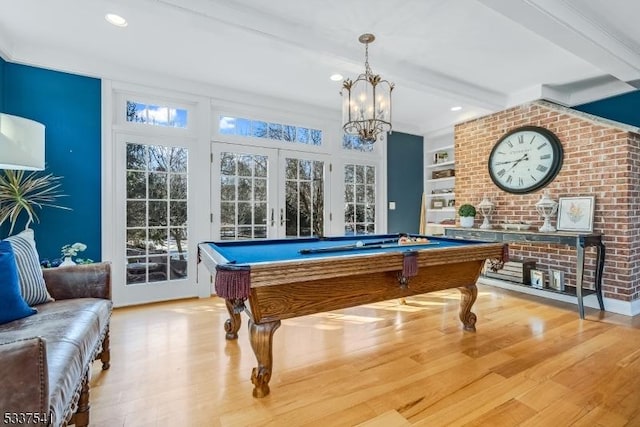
(366, 101)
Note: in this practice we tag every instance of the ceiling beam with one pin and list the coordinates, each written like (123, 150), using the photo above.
(584, 36)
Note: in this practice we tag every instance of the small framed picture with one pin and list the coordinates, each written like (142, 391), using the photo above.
(441, 157)
(438, 203)
(537, 279)
(575, 213)
(556, 280)
(451, 203)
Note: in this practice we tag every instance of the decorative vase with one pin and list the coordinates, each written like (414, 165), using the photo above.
(467, 221)
(67, 261)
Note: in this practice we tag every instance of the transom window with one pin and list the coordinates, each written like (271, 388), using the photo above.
(156, 115)
(353, 142)
(277, 131)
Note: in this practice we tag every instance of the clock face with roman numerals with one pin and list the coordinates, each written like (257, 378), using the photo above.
(525, 159)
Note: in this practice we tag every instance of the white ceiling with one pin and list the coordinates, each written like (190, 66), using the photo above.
(484, 55)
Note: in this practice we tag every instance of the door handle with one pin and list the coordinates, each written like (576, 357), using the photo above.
(273, 221)
(281, 217)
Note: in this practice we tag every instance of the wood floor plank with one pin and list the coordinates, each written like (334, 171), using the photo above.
(530, 363)
(387, 419)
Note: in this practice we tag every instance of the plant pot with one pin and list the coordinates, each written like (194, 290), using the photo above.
(467, 221)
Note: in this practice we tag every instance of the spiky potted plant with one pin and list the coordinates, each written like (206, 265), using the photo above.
(21, 191)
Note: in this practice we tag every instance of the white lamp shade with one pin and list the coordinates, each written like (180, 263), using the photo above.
(21, 143)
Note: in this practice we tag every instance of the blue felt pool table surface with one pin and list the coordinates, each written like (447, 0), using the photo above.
(276, 250)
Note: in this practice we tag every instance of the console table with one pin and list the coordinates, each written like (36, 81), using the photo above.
(579, 241)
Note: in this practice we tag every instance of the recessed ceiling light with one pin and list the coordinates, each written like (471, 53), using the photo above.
(456, 108)
(336, 77)
(116, 20)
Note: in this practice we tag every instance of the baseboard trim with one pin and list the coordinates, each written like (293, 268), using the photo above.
(626, 308)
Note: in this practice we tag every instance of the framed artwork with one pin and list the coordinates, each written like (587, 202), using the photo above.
(575, 213)
(537, 279)
(438, 203)
(556, 280)
(441, 157)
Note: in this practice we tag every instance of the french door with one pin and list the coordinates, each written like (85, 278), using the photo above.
(152, 181)
(267, 193)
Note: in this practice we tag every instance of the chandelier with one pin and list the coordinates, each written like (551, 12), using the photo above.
(366, 101)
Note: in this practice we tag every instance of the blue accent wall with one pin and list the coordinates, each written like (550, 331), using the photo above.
(623, 108)
(70, 108)
(2, 65)
(4, 228)
(405, 169)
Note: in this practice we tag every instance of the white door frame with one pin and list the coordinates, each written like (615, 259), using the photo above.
(128, 294)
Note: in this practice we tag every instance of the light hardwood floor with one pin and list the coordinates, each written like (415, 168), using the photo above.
(532, 362)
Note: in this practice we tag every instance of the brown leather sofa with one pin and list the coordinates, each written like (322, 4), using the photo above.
(45, 359)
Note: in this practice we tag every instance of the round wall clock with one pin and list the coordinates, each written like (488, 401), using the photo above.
(525, 159)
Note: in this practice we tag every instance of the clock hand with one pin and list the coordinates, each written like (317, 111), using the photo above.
(524, 157)
(506, 163)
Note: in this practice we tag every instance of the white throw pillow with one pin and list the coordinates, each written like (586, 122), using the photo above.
(32, 286)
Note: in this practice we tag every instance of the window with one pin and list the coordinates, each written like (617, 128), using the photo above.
(156, 215)
(156, 115)
(276, 131)
(353, 142)
(360, 199)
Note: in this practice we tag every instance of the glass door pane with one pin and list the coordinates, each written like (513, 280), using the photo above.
(241, 191)
(156, 213)
(304, 197)
(243, 196)
(359, 199)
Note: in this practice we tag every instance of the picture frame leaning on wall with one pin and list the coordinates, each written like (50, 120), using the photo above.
(576, 213)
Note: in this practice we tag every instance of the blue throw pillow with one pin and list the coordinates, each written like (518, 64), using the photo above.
(12, 305)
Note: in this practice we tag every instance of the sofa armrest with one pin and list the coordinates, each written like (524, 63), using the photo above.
(25, 384)
(79, 281)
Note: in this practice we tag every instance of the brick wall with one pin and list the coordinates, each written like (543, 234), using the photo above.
(601, 158)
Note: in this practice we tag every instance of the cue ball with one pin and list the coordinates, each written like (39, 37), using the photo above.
(359, 244)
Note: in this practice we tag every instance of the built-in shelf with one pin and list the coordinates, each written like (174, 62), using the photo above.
(437, 165)
(443, 148)
(438, 195)
(447, 209)
(433, 216)
(445, 179)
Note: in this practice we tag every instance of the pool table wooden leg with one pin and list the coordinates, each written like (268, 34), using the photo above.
(469, 295)
(261, 337)
(232, 324)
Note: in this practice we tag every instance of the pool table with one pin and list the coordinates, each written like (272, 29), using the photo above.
(287, 278)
